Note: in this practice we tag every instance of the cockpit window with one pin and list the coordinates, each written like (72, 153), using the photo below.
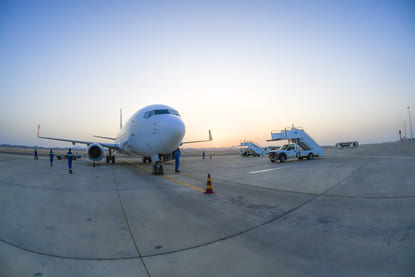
(149, 114)
(161, 111)
(171, 111)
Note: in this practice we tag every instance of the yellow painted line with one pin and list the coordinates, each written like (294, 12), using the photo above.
(177, 181)
(139, 166)
(166, 177)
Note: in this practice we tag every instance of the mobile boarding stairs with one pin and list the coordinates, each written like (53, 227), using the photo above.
(253, 148)
(300, 138)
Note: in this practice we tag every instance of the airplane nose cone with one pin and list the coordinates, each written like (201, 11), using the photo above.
(172, 131)
(176, 129)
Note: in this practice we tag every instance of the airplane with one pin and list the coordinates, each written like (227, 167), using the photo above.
(154, 132)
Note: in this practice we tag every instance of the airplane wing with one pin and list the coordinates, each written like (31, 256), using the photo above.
(195, 141)
(73, 141)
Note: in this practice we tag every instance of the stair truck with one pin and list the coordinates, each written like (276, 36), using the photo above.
(251, 148)
(300, 146)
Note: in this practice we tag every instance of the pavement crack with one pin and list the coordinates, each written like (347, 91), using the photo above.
(278, 217)
(128, 224)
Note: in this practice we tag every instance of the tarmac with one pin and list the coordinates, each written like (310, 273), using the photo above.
(349, 213)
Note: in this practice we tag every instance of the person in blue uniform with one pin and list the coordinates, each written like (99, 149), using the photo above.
(203, 155)
(69, 155)
(51, 157)
(177, 157)
(36, 157)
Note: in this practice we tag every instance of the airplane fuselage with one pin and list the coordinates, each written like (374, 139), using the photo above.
(155, 129)
(154, 132)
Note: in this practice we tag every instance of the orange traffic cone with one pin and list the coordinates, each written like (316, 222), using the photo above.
(209, 186)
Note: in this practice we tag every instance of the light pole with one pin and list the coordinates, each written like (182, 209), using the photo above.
(410, 122)
(404, 127)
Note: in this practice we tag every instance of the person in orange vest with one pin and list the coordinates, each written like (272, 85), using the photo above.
(70, 156)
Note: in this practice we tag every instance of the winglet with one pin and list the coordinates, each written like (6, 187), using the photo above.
(38, 130)
(210, 135)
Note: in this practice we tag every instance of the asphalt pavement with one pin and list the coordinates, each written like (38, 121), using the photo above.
(349, 213)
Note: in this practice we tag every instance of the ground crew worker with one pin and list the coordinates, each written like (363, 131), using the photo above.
(69, 155)
(177, 157)
(51, 157)
(203, 155)
(36, 157)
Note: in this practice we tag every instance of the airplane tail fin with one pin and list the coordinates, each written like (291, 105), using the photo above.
(210, 135)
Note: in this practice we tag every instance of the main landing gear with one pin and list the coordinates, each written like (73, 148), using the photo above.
(110, 157)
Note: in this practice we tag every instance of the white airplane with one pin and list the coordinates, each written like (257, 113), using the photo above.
(154, 132)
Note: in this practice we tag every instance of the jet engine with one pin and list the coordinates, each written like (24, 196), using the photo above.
(95, 152)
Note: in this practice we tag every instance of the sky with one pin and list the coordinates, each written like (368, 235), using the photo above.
(342, 70)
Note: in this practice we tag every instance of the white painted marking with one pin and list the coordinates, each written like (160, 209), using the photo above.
(266, 170)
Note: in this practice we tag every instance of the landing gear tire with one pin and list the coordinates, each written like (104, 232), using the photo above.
(157, 169)
(110, 159)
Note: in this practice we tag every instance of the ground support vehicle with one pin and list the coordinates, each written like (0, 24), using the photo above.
(252, 149)
(290, 151)
(300, 146)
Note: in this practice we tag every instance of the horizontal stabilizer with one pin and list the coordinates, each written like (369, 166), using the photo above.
(104, 137)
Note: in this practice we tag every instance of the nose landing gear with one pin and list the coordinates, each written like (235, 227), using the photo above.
(157, 169)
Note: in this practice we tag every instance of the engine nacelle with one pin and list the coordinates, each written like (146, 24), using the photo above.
(95, 152)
